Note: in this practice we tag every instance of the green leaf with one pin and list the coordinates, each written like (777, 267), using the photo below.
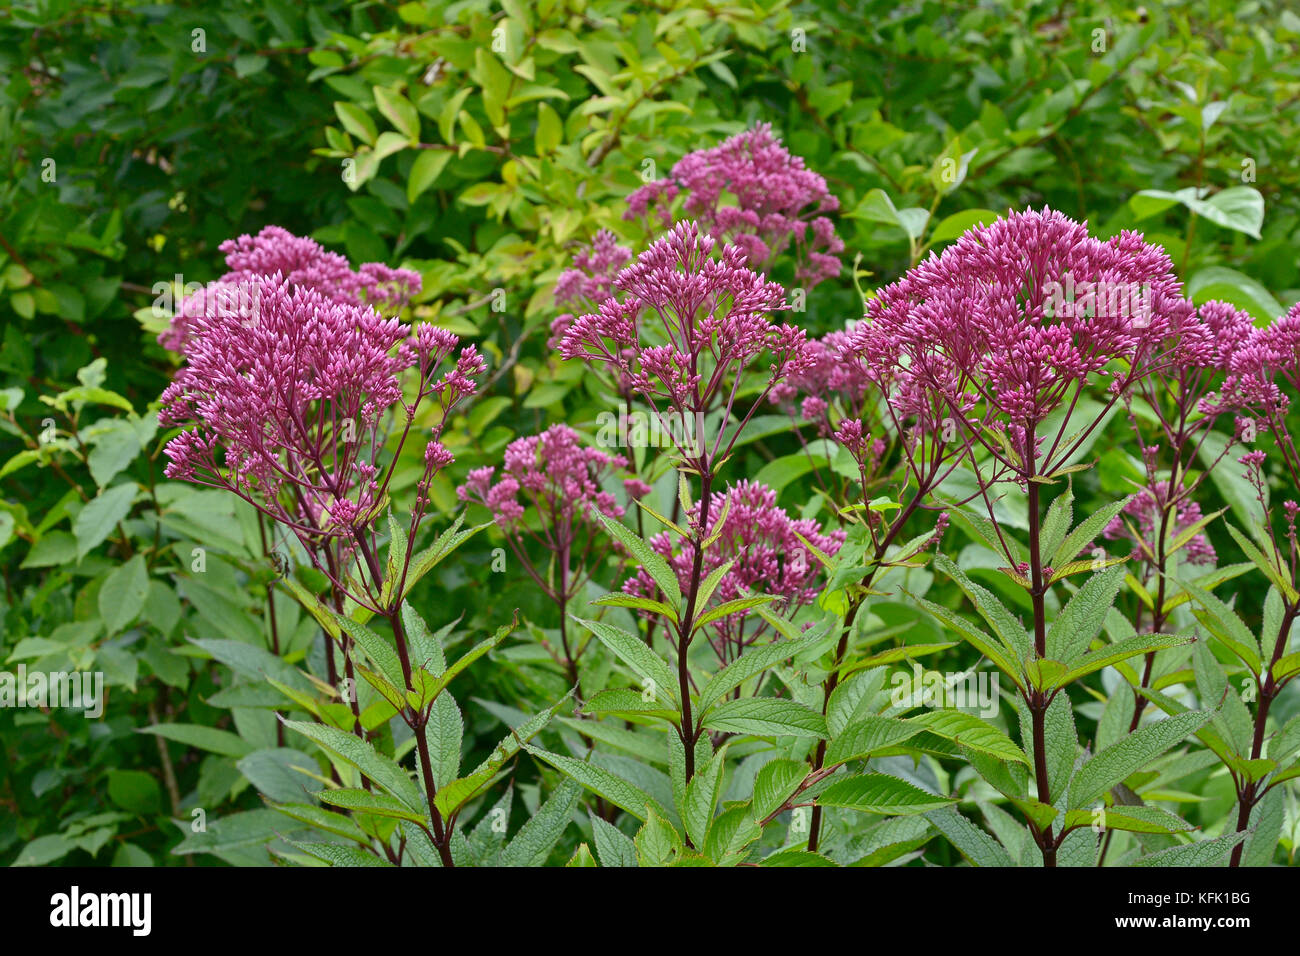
(363, 756)
(974, 636)
(1223, 622)
(367, 801)
(1080, 621)
(613, 846)
(970, 841)
(702, 793)
(399, 111)
(601, 782)
(100, 516)
(1005, 625)
(426, 169)
(880, 793)
(202, 738)
(632, 651)
(134, 791)
(766, 717)
(536, 838)
(1133, 819)
(1116, 763)
(1202, 853)
(868, 735)
(753, 662)
(652, 562)
(619, 599)
(356, 121)
(774, 784)
(1129, 647)
(122, 595)
(1085, 532)
(969, 731)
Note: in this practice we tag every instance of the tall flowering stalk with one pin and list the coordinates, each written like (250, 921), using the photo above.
(1180, 394)
(683, 328)
(1005, 334)
(289, 409)
(1267, 358)
(549, 487)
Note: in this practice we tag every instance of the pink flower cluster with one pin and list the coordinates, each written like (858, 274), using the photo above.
(832, 378)
(776, 201)
(589, 282)
(301, 262)
(1145, 508)
(284, 408)
(554, 473)
(1010, 319)
(709, 322)
(763, 541)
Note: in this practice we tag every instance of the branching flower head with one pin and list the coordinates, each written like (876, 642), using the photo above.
(1146, 508)
(776, 201)
(550, 487)
(304, 264)
(287, 409)
(763, 543)
(589, 281)
(685, 326)
(1014, 321)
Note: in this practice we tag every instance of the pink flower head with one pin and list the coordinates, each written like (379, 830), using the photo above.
(301, 262)
(589, 282)
(285, 408)
(775, 201)
(556, 475)
(686, 325)
(1002, 327)
(763, 541)
(1146, 508)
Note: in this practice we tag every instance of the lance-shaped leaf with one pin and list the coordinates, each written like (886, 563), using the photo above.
(766, 717)
(633, 652)
(753, 662)
(702, 793)
(730, 607)
(425, 561)
(430, 685)
(1113, 654)
(375, 647)
(1133, 819)
(971, 842)
(536, 838)
(653, 563)
(971, 732)
(619, 599)
(1083, 615)
(974, 636)
(775, 783)
(1223, 622)
(367, 801)
(1202, 853)
(604, 784)
(626, 702)
(868, 736)
(1280, 577)
(1085, 533)
(1128, 755)
(880, 793)
(457, 793)
(362, 755)
(1006, 626)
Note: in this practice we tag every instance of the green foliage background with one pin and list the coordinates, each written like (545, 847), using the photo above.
(482, 141)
